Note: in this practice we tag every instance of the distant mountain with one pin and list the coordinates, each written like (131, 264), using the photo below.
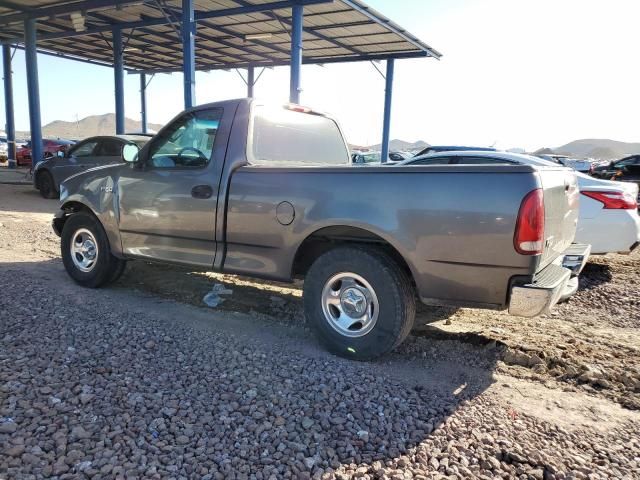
(395, 145)
(90, 126)
(602, 149)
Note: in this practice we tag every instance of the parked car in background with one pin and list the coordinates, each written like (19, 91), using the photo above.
(89, 153)
(452, 148)
(584, 166)
(4, 149)
(50, 148)
(611, 169)
(399, 156)
(608, 219)
(365, 157)
(268, 191)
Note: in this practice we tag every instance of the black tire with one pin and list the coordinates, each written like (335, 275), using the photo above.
(117, 273)
(46, 185)
(105, 267)
(391, 285)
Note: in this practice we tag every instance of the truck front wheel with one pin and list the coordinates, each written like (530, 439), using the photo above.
(359, 301)
(85, 252)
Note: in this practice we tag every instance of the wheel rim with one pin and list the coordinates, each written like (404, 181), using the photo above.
(350, 304)
(84, 250)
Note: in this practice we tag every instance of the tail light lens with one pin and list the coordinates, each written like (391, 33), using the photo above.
(614, 200)
(529, 236)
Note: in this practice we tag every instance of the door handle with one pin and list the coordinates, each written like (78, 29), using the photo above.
(202, 191)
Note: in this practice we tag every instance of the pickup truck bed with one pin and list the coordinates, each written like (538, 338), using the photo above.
(241, 187)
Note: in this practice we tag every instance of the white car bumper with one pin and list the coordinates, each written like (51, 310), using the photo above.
(611, 231)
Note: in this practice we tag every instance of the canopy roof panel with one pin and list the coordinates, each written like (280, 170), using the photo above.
(229, 34)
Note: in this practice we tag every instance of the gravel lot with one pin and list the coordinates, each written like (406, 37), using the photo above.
(142, 380)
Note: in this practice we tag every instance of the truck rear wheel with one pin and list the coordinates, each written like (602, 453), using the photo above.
(359, 301)
(85, 252)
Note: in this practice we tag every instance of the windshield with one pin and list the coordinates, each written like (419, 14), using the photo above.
(286, 137)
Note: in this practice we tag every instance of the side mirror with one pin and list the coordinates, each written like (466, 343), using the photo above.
(130, 153)
(60, 154)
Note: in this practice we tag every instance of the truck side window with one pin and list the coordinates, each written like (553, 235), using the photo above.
(188, 142)
(284, 137)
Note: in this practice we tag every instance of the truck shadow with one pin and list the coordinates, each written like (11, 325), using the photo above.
(594, 274)
(367, 414)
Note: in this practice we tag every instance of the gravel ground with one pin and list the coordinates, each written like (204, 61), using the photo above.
(141, 381)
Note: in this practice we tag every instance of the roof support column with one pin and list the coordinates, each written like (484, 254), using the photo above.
(143, 102)
(118, 77)
(251, 81)
(8, 105)
(386, 124)
(188, 53)
(33, 90)
(297, 13)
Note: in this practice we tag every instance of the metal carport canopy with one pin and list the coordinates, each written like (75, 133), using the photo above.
(182, 35)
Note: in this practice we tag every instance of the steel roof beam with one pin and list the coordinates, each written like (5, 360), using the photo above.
(305, 61)
(373, 15)
(199, 16)
(289, 23)
(204, 36)
(62, 9)
(173, 41)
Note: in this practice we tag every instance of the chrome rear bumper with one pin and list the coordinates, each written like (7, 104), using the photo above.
(575, 258)
(538, 297)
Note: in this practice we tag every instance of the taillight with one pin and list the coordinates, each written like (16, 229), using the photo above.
(614, 200)
(529, 236)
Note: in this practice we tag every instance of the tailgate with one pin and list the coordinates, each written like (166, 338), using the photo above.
(561, 202)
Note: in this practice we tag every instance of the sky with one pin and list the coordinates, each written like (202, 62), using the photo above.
(514, 73)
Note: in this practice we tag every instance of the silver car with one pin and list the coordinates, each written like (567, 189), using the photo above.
(89, 153)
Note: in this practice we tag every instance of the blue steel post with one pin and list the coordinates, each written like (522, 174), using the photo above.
(118, 78)
(386, 126)
(33, 90)
(251, 81)
(8, 105)
(297, 12)
(188, 53)
(143, 102)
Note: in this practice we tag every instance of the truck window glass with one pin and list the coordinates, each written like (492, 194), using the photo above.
(188, 142)
(286, 137)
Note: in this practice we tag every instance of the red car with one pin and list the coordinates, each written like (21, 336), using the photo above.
(50, 148)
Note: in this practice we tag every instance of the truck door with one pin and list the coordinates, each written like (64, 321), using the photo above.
(168, 199)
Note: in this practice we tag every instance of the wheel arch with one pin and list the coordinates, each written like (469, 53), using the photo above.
(326, 238)
(75, 205)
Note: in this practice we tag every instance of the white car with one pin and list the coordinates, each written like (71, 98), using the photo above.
(608, 218)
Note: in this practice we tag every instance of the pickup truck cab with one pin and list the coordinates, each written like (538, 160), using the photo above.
(268, 191)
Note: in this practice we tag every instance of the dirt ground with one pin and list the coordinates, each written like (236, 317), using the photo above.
(576, 370)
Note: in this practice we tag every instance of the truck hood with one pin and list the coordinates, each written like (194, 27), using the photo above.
(92, 187)
(92, 175)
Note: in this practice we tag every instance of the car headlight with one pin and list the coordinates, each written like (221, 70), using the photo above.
(64, 193)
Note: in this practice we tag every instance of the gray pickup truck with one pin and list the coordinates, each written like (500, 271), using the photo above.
(268, 191)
